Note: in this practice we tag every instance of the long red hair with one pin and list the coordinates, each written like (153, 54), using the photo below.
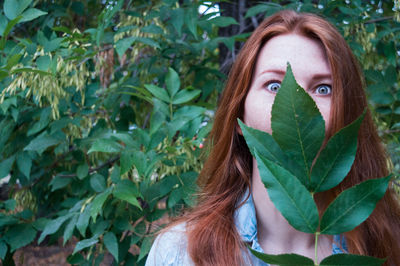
(212, 235)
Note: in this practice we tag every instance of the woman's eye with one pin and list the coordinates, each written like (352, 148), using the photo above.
(273, 86)
(323, 90)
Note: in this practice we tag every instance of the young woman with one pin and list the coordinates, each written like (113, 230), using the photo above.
(233, 208)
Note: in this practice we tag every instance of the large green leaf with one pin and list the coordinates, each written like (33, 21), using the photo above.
(158, 92)
(185, 95)
(83, 220)
(53, 226)
(223, 21)
(350, 260)
(353, 206)
(98, 183)
(336, 159)
(14, 8)
(31, 14)
(172, 82)
(111, 243)
(3, 249)
(283, 259)
(24, 163)
(69, 229)
(20, 235)
(177, 19)
(98, 202)
(267, 148)
(289, 196)
(86, 243)
(5, 166)
(125, 190)
(105, 145)
(41, 143)
(297, 124)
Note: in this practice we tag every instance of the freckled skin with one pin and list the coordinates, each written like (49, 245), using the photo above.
(311, 70)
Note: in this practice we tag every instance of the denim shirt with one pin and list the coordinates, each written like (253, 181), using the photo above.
(170, 248)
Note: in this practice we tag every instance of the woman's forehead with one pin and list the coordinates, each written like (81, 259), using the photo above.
(303, 53)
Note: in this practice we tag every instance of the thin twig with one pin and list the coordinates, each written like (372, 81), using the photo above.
(91, 170)
(378, 20)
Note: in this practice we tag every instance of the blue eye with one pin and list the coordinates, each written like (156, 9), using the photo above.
(273, 86)
(323, 90)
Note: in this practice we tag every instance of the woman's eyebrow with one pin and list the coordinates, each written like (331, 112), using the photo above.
(274, 71)
(320, 76)
(317, 76)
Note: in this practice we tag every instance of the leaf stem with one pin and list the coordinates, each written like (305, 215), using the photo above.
(316, 249)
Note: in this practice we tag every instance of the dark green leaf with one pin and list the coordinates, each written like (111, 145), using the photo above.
(336, 159)
(5, 166)
(43, 62)
(105, 145)
(297, 125)
(10, 204)
(158, 92)
(59, 182)
(85, 243)
(97, 204)
(29, 69)
(7, 30)
(69, 229)
(98, 183)
(185, 95)
(283, 259)
(12, 61)
(145, 247)
(127, 160)
(111, 243)
(223, 21)
(289, 196)
(148, 41)
(82, 171)
(31, 14)
(41, 143)
(177, 19)
(53, 226)
(172, 81)
(24, 163)
(14, 8)
(350, 260)
(255, 10)
(20, 235)
(42, 123)
(122, 45)
(83, 220)
(127, 191)
(3, 249)
(353, 206)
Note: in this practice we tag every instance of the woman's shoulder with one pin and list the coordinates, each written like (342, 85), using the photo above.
(170, 247)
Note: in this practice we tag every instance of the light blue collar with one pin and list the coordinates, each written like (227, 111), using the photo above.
(246, 222)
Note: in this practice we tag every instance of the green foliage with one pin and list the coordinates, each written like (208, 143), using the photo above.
(293, 195)
(104, 105)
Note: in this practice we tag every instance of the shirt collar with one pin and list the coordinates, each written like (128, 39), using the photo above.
(245, 219)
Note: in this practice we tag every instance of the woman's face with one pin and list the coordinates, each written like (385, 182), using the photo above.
(310, 68)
